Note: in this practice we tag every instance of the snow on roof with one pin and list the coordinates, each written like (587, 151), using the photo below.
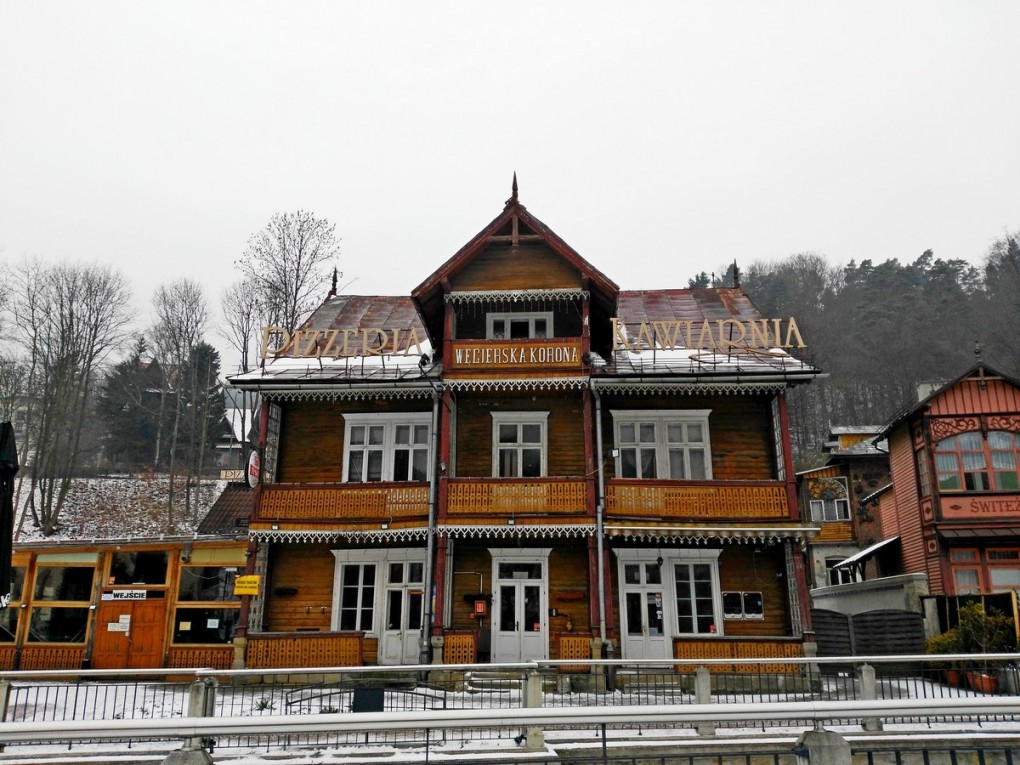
(693, 361)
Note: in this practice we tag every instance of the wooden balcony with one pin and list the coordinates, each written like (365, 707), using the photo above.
(633, 498)
(347, 502)
(516, 497)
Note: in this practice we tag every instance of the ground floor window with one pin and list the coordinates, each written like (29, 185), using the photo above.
(58, 624)
(207, 609)
(205, 625)
(62, 597)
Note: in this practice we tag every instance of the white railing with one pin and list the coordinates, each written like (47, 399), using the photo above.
(540, 717)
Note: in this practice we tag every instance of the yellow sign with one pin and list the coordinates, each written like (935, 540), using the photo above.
(247, 585)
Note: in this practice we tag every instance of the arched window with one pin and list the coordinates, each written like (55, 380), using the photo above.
(975, 462)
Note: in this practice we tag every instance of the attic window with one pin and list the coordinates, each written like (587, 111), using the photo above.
(519, 326)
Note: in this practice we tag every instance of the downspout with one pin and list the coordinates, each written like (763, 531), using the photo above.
(599, 520)
(425, 643)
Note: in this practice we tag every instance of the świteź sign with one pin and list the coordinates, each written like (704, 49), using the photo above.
(719, 334)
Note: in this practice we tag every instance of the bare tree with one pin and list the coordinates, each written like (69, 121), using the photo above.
(68, 320)
(181, 318)
(290, 262)
(242, 317)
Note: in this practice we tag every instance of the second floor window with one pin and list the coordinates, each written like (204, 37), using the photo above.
(663, 444)
(386, 447)
(518, 449)
(975, 462)
(830, 510)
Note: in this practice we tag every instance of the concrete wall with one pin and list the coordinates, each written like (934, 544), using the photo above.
(892, 592)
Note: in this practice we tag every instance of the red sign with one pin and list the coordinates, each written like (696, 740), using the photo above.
(254, 468)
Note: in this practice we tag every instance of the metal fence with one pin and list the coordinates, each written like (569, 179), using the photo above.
(249, 696)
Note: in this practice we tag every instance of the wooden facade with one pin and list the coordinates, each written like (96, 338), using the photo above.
(473, 501)
(955, 460)
(123, 604)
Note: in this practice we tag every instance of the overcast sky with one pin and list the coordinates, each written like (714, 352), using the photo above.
(659, 139)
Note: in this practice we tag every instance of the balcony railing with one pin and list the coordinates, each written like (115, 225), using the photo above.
(514, 496)
(347, 502)
(672, 499)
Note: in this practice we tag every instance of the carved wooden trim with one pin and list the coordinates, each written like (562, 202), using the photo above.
(946, 427)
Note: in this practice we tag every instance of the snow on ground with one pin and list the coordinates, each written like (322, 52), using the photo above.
(129, 506)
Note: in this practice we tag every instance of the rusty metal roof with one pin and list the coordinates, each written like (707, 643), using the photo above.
(685, 305)
(359, 312)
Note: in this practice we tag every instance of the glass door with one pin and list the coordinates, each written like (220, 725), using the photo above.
(643, 612)
(520, 624)
(405, 594)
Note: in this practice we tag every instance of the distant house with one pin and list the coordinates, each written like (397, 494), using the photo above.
(839, 497)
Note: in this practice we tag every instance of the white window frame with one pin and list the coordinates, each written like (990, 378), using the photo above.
(390, 421)
(381, 560)
(662, 419)
(529, 316)
(520, 418)
(692, 558)
(819, 507)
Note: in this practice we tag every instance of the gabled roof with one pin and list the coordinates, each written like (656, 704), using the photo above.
(980, 370)
(515, 225)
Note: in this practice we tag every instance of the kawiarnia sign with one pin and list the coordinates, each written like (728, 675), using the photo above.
(718, 334)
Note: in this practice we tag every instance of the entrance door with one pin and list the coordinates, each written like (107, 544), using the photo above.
(644, 611)
(519, 624)
(405, 593)
(129, 634)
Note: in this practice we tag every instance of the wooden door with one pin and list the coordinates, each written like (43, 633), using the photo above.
(130, 634)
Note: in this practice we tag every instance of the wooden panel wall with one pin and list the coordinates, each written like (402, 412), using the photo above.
(311, 443)
(742, 569)
(309, 567)
(907, 505)
(740, 431)
(474, 431)
(532, 267)
(968, 397)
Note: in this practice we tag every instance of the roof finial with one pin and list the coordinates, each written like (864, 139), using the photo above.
(332, 290)
(513, 191)
(977, 349)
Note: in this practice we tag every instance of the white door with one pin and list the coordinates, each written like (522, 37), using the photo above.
(644, 612)
(402, 618)
(519, 624)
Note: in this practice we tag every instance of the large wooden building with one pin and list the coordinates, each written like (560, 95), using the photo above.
(520, 460)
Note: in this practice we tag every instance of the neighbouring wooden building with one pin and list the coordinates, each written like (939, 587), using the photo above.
(520, 460)
(840, 497)
(123, 604)
(955, 460)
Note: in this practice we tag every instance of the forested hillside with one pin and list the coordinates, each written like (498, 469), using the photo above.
(880, 329)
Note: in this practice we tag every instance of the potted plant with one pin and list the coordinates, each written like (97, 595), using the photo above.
(949, 642)
(984, 632)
